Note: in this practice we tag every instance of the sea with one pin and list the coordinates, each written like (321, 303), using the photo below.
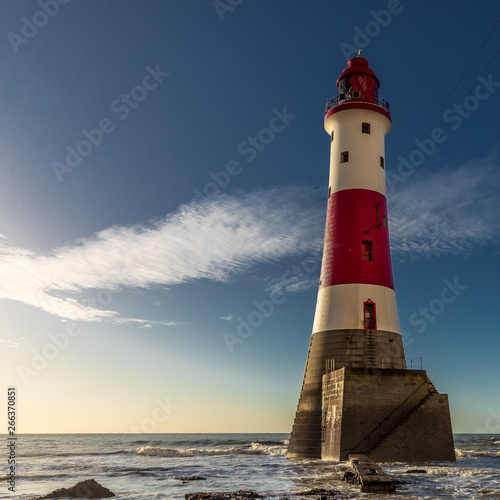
(157, 466)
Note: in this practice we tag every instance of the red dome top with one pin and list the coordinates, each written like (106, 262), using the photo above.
(358, 88)
(358, 65)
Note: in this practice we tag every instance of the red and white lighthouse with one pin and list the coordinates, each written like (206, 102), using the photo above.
(356, 293)
(356, 343)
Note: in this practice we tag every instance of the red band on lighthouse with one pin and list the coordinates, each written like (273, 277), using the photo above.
(356, 248)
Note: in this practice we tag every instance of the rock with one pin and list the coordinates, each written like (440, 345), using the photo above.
(190, 478)
(350, 477)
(230, 495)
(416, 471)
(399, 482)
(323, 493)
(84, 489)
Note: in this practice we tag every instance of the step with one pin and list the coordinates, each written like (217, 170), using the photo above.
(401, 422)
(370, 475)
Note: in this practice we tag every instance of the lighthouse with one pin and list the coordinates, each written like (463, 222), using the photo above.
(357, 394)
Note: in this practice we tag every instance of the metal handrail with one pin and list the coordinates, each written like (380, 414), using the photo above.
(335, 101)
(412, 360)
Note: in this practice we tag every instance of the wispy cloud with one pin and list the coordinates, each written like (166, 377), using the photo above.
(293, 283)
(298, 286)
(146, 323)
(449, 212)
(213, 239)
(8, 343)
(226, 318)
(12, 341)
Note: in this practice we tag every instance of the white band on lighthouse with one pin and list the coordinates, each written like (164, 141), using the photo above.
(340, 307)
(362, 170)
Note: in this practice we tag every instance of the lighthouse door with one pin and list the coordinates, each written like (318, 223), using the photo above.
(369, 310)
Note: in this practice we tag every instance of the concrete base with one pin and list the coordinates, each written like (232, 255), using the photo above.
(357, 348)
(387, 414)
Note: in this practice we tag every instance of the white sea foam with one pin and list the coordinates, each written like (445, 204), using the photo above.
(256, 448)
(476, 453)
(159, 451)
(272, 450)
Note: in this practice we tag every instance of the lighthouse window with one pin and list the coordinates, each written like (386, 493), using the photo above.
(344, 156)
(382, 162)
(365, 128)
(329, 191)
(332, 136)
(367, 250)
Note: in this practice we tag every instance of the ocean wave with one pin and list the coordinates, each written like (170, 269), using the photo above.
(159, 451)
(271, 442)
(36, 476)
(269, 449)
(205, 443)
(476, 453)
(490, 492)
(256, 448)
(74, 454)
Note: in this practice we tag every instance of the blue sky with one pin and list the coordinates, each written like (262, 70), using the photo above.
(147, 213)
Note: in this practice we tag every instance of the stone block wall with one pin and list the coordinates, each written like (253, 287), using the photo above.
(361, 407)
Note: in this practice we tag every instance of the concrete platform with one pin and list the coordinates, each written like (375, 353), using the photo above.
(388, 415)
(370, 476)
